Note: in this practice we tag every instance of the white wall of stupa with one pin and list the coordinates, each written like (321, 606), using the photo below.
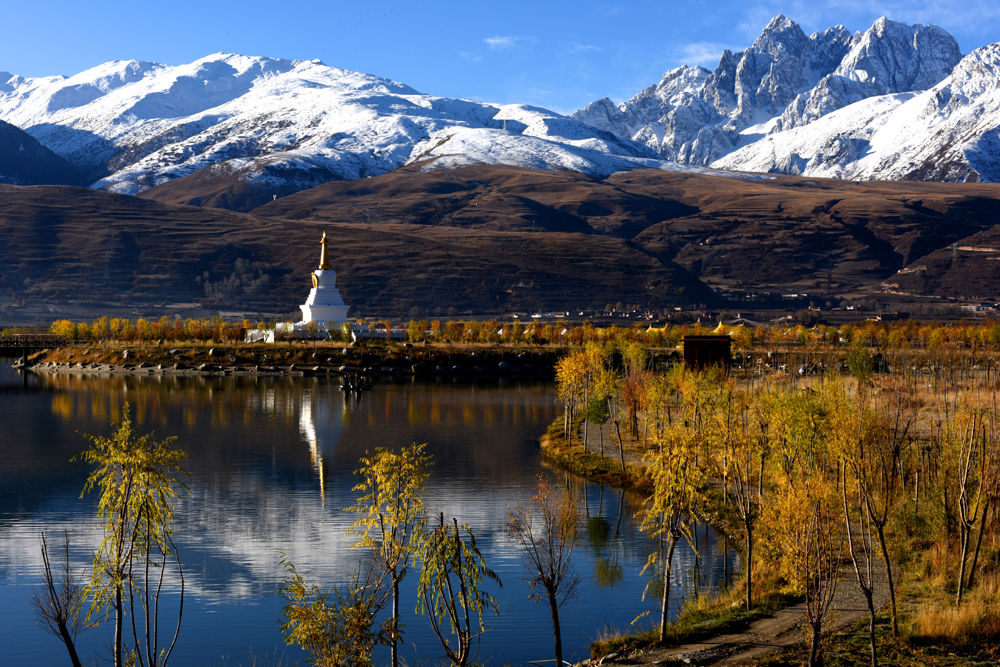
(324, 303)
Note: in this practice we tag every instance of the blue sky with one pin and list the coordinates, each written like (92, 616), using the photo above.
(559, 55)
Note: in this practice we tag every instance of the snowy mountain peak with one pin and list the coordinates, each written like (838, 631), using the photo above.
(780, 34)
(782, 81)
(285, 125)
(897, 57)
(948, 132)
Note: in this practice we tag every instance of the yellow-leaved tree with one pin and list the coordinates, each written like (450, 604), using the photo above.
(138, 478)
(669, 512)
(391, 515)
(452, 571)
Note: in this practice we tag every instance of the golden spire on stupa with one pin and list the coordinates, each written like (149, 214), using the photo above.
(323, 264)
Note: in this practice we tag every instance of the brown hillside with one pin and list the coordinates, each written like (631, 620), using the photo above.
(500, 239)
(117, 254)
(739, 235)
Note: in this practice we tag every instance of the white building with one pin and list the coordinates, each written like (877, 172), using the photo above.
(324, 308)
(324, 303)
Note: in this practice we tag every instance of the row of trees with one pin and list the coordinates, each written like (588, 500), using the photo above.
(143, 330)
(854, 468)
(138, 478)
(983, 336)
(892, 335)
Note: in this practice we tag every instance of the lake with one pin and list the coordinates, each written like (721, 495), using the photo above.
(271, 463)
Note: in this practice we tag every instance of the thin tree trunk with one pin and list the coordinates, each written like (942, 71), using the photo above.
(963, 554)
(621, 445)
(871, 626)
(888, 574)
(815, 654)
(749, 532)
(395, 622)
(556, 632)
(180, 609)
(70, 645)
(118, 627)
(979, 543)
(665, 598)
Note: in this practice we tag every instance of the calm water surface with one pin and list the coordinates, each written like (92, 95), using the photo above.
(272, 464)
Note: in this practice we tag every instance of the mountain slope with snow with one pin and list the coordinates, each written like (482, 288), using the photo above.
(895, 101)
(950, 132)
(133, 125)
(24, 161)
(822, 105)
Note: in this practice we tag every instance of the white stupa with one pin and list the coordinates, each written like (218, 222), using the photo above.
(324, 305)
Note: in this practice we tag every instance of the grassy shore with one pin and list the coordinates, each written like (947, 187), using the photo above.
(591, 466)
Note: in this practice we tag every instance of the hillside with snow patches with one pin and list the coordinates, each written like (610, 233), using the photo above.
(892, 102)
(133, 125)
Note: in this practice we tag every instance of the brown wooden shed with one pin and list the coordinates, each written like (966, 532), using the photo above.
(711, 350)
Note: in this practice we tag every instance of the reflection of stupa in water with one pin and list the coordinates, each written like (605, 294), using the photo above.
(320, 426)
(324, 303)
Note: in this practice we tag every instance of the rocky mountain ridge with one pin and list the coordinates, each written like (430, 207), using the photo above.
(782, 81)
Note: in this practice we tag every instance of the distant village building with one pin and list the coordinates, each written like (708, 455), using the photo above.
(361, 331)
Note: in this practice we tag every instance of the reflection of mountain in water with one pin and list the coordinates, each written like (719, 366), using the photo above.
(272, 464)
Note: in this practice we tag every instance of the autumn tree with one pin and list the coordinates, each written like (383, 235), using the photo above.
(545, 530)
(336, 627)
(817, 553)
(861, 546)
(669, 512)
(744, 431)
(635, 380)
(452, 571)
(572, 378)
(138, 479)
(391, 515)
(879, 460)
(802, 532)
(801, 522)
(972, 439)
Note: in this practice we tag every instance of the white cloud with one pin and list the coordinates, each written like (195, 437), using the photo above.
(577, 47)
(502, 42)
(706, 54)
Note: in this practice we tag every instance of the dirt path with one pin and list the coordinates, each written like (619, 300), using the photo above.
(764, 637)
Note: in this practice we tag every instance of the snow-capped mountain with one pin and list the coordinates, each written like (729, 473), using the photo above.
(785, 80)
(893, 101)
(950, 132)
(133, 125)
